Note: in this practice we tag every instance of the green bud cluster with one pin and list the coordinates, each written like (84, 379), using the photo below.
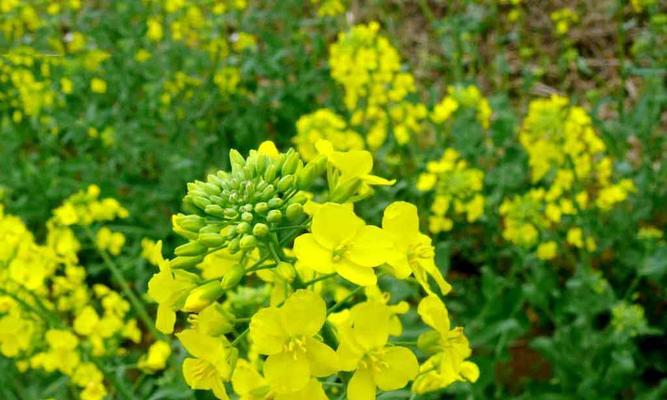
(238, 209)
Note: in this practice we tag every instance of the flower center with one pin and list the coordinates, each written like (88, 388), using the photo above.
(374, 360)
(295, 345)
(338, 253)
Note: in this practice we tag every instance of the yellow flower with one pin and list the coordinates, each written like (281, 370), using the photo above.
(341, 242)
(450, 346)
(169, 288)
(98, 85)
(547, 250)
(109, 241)
(249, 384)
(286, 335)
(156, 358)
(363, 349)
(413, 251)
(211, 367)
(352, 165)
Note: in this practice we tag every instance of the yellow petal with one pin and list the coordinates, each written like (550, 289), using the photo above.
(309, 252)
(371, 324)
(312, 391)
(246, 378)
(352, 164)
(399, 366)
(287, 372)
(361, 386)
(333, 224)
(470, 371)
(400, 220)
(369, 248)
(166, 318)
(323, 360)
(362, 276)
(377, 180)
(303, 313)
(268, 148)
(434, 313)
(266, 331)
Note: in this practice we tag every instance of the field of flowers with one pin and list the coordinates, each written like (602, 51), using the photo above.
(333, 199)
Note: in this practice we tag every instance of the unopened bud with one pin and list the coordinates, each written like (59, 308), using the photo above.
(285, 183)
(270, 173)
(248, 242)
(291, 164)
(211, 239)
(246, 216)
(233, 276)
(275, 202)
(191, 223)
(215, 210)
(274, 216)
(236, 160)
(185, 261)
(261, 207)
(203, 296)
(294, 211)
(260, 230)
(286, 271)
(190, 249)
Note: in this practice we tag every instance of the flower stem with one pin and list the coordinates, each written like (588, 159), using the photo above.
(125, 287)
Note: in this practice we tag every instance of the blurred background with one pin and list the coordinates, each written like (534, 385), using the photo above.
(141, 97)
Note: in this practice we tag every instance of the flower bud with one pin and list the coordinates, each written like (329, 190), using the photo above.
(215, 210)
(285, 183)
(230, 213)
(243, 227)
(271, 173)
(267, 193)
(236, 160)
(291, 164)
(294, 211)
(260, 230)
(248, 242)
(275, 202)
(233, 245)
(246, 216)
(192, 223)
(311, 171)
(274, 216)
(261, 207)
(203, 296)
(200, 201)
(233, 276)
(190, 249)
(185, 261)
(286, 271)
(211, 239)
(214, 320)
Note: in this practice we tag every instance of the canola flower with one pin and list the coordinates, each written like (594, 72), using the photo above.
(572, 175)
(274, 275)
(375, 88)
(51, 319)
(458, 191)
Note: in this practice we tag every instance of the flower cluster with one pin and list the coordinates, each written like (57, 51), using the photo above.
(565, 153)
(324, 124)
(51, 319)
(468, 97)
(283, 288)
(458, 190)
(376, 90)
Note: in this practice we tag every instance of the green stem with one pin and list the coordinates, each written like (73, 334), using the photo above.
(240, 336)
(319, 278)
(125, 287)
(345, 300)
